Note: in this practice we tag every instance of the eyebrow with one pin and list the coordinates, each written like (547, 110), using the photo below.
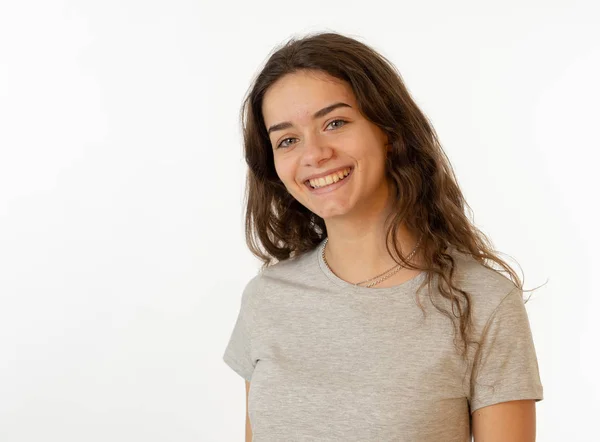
(317, 114)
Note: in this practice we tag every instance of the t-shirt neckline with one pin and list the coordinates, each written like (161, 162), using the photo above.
(404, 287)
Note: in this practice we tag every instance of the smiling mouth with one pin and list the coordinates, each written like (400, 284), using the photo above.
(329, 187)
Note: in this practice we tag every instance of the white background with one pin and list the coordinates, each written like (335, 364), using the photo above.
(122, 256)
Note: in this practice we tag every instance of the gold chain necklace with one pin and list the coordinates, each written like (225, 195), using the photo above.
(394, 269)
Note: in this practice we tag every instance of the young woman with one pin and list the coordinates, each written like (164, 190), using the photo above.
(377, 315)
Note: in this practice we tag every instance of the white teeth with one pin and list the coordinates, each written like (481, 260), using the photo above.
(329, 179)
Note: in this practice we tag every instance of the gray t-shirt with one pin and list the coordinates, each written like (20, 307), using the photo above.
(331, 361)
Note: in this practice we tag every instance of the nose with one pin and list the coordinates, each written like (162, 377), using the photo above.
(316, 150)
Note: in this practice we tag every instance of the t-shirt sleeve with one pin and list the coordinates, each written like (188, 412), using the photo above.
(505, 365)
(238, 353)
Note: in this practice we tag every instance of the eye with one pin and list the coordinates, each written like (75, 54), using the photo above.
(339, 123)
(343, 122)
(282, 144)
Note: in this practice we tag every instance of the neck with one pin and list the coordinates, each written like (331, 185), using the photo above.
(356, 248)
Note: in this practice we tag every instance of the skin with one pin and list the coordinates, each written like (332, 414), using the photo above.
(355, 213)
(512, 421)
(248, 425)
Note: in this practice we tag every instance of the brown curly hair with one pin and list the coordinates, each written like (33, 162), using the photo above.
(432, 203)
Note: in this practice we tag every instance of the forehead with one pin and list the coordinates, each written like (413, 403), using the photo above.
(297, 96)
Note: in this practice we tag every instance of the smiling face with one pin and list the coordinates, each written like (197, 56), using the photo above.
(315, 127)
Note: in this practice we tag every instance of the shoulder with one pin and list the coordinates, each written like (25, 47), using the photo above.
(486, 287)
(252, 289)
(287, 274)
(474, 275)
(292, 271)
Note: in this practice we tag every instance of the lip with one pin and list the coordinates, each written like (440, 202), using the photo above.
(331, 187)
(329, 172)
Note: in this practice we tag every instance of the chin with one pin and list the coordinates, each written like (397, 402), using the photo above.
(332, 212)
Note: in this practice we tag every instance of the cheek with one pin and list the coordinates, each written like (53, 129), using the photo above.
(359, 142)
(285, 172)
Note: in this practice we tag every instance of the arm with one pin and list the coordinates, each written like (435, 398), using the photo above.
(512, 421)
(248, 427)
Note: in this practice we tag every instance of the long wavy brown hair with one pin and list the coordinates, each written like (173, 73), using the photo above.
(431, 203)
